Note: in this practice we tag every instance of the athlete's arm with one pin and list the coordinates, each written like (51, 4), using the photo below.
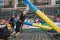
(26, 10)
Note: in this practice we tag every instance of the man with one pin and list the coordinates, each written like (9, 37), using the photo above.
(20, 20)
(4, 32)
(12, 21)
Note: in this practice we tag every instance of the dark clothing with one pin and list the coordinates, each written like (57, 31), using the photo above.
(19, 22)
(4, 33)
(22, 17)
(12, 22)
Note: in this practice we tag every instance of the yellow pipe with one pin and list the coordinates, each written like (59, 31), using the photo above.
(47, 20)
(40, 26)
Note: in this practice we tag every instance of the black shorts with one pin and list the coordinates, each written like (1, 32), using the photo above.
(18, 25)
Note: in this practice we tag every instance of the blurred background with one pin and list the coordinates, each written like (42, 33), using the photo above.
(9, 8)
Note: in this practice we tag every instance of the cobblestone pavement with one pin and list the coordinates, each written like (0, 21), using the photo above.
(34, 35)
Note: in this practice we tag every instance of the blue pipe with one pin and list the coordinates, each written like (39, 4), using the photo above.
(34, 9)
(28, 23)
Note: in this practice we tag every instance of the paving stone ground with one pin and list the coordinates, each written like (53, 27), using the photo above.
(33, 35)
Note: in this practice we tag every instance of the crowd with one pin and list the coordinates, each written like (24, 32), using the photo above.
(39, 20)
(11, 25)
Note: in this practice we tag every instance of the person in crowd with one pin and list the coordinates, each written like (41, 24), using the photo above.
(4, 32)
(12, 21)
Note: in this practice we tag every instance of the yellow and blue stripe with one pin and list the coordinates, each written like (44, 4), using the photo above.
(43, 16)
(37, 25)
